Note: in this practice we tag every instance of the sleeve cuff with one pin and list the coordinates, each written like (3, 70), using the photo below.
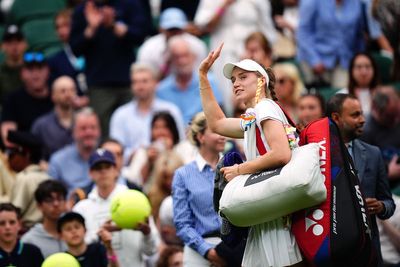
(203, 248)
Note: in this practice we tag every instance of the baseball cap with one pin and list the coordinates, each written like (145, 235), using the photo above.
(12, 32)
(173, 18)
(245, 64)
(69, 217)
(101, 155)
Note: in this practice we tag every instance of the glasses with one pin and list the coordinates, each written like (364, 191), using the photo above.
(33, 57)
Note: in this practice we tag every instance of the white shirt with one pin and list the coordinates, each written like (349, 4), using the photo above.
(133, 128)
(129, 245)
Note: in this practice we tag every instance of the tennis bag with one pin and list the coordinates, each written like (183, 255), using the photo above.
(336, 232)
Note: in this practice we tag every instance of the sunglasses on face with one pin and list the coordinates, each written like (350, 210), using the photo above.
(33, 57)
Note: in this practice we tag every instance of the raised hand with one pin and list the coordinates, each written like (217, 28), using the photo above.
(207, 63)
(93, 15)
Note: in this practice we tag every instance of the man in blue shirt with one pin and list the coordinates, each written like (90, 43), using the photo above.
(70, 164)
(181, 87)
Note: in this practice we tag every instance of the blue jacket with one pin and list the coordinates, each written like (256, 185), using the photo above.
(108, 57)
(327, 34)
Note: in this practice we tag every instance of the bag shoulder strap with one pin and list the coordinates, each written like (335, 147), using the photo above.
(259, 143)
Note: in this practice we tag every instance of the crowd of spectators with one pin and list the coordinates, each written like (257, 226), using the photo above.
(107, 105)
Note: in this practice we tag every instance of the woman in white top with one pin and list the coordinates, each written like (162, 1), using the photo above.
(270, 243)
(363, 80)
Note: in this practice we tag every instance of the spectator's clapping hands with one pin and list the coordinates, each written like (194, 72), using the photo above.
(93, 15)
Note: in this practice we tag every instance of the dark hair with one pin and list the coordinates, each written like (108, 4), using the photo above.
(10, 207)
(320, 99)
(271, 84)
(262, 40)
(70, 217)
(335, 103)
(375, 78)
(166, 254)
(171, 124)
(46, 188)
(111, 140)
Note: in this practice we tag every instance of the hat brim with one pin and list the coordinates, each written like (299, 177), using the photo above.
(102, 160)
(247, 65)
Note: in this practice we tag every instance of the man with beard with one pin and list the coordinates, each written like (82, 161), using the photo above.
(181, 87)
(345, 111)
(70, 164)
(54, 129)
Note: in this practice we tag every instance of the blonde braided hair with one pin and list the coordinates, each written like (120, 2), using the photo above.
(259, 88)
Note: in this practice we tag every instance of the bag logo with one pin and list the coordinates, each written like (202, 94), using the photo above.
(317, 229)
(262, 176)
(361, 202)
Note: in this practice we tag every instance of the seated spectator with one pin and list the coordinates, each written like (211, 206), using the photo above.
(14, 252)
(28, 178)
(22, 107)
(132, 244)
(258, 48)
(164, 137)
(166, 224)
(50, 198)
(64, 62)
(70, 164)
(8, 158)
(288, 87)
(181, 87)
(363, 80)
(382, 129)
(72, 229)
(54, 129)
(171, 256)
(164, 170)
(130, 123)
(310, 107)
(13, 46)
(154, 50)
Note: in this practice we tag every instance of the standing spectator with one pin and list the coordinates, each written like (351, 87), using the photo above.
(231, 21)
(13, 252)
(382, 129)
(345, 110)
(28, 178)
(131, 123)
(13, 45)
(181, 86)
(310, 107)
(328, 36)
(65, 63)
(363, 80)
(196, 221)
(70, 164)
(54, 129)
(24, 106)
(50, 198)
(154, 50)
(105, 33)
(132, 245)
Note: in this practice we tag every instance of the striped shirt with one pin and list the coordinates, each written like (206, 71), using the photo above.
(194, 215)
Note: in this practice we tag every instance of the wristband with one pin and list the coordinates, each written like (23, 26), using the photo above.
(112, 258)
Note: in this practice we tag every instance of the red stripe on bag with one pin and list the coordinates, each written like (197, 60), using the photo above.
(259, 143)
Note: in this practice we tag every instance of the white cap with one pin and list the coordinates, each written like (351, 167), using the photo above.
(172, 18)
(245, 64)
(165, 212)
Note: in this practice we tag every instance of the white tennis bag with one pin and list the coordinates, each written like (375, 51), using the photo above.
(256, 198)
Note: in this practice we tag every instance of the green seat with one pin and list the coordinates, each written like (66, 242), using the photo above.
(327, 92)
(25, 10)
(384, 65)
(41, 34)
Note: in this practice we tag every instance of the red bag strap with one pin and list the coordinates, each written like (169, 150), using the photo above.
(259, 142)
(291, 122)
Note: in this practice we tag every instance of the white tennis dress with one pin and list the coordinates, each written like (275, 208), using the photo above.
(270, 243)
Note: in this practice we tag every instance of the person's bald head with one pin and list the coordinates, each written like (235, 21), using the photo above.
(63, 91)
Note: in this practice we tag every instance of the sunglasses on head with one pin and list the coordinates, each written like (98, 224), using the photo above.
(33, 57)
